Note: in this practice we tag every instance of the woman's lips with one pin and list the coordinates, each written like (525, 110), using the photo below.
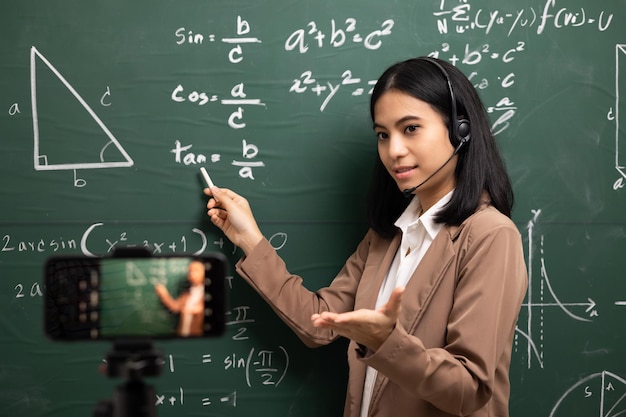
(403, 172)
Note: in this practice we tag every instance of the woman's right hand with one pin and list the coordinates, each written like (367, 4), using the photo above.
(232, 214)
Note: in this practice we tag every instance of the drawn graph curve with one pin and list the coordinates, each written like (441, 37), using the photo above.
(602, 394)
(535, 349)
(41, 162)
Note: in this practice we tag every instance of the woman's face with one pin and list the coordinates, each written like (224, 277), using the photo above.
(195, 273)
(413, 143)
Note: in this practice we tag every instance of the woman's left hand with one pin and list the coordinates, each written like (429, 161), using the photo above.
(367, 327)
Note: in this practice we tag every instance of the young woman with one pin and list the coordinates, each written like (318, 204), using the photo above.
(431, 295)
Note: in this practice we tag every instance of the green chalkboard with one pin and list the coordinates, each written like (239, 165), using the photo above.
(109, 109)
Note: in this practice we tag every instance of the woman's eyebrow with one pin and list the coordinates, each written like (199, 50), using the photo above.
(399, 121)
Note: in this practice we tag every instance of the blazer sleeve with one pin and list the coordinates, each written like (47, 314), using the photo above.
(459, 377)
(266, 272)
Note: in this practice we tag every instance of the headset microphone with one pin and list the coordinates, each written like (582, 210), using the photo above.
(459, 127)
(407, 193)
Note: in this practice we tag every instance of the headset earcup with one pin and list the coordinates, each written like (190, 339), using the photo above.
(463, 130)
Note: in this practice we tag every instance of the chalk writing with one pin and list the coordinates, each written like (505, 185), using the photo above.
(571, 309)
(269, 366)
(182, 155)
(181, 246)
(277, 240)
(41, 161)
(258, 367)
(605, 391)
(238, 97)
(200, 98)
(337, 36)
(464, 19)
(106, 241)
(35, 290)
(171, 400)
(506, 108)
(104, 100)
(564, 17)
(249, 152)
(176, 398)
(355, 85)
(243, 28)
(230, 400)
(14, 109)
(242, 36)
(11, 244)
(620, 105)
(472, 56)
(238, 317)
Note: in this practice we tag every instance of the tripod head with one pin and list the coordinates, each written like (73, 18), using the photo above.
(132, 359)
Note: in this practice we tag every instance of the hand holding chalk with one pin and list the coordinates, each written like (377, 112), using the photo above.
(233, 215)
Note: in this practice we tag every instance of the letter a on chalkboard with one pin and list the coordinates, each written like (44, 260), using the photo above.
(64, 131)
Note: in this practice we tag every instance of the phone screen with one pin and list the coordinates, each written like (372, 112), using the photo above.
(118, 298)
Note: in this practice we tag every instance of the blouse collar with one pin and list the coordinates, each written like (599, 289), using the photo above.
(411, 217)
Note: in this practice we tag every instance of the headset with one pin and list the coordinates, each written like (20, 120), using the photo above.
(459, 129)
(460, 132)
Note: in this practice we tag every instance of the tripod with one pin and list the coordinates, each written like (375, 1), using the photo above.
(133, 359)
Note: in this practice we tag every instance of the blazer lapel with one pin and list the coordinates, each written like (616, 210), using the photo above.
(426, 278)
(370, 284)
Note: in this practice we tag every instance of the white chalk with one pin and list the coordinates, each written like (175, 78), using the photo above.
(207, 178)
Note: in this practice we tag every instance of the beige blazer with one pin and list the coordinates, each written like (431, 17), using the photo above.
(450, 351)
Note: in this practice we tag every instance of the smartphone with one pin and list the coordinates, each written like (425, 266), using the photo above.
(119, 298)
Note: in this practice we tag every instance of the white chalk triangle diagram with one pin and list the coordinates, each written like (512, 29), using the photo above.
(67, 133)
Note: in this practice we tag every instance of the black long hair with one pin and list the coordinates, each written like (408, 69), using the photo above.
(479, 168)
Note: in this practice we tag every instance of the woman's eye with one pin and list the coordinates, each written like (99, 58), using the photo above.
(381, 135)
(411, 128)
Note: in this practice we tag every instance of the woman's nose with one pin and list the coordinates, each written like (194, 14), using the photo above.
(397, 146)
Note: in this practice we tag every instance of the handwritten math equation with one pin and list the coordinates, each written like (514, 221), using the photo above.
(102, 239)
(238, 98)
(337, 35)
(265, 367)
(314, 34)
(351, 84)
(458, 16)
(243, 36)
